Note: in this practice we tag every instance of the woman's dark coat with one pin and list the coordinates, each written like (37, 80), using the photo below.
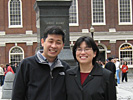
(99, 85)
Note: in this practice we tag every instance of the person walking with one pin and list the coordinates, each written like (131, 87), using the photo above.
(8, 69)
(124, 71)
(1, 74)
(111, 66)
(42, 76)
(117, 64)
(15, 67)
(88, 80)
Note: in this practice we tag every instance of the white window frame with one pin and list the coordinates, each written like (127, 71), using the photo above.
(104, 19)
(125, 23)
(75, 24)
(9, 23)
(131, 50)
(15, 53)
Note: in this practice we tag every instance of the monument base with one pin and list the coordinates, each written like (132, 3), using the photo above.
(66, 55)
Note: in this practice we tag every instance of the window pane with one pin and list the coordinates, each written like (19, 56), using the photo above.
(73, 12)
(16, 55)
(98, 11)
(126, 54)
(15, 12)
(125, 11)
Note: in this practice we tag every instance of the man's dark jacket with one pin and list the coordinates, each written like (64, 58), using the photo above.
(111, 66)
(35, 80)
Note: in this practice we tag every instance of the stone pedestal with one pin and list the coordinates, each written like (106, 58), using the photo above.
(8, 86)
(54, 12)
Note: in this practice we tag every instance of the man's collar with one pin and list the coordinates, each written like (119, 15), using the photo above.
(43, 59)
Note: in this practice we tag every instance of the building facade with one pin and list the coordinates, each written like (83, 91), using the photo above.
(111, 20)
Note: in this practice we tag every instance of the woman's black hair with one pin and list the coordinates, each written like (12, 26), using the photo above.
(90, 43)
(125, 62)
(53, 30)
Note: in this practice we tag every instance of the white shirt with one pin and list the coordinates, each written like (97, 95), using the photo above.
(117, 64)
(1, 71)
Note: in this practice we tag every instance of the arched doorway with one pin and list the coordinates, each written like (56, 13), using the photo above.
(126, 52)
(102, 53)
(16, 54)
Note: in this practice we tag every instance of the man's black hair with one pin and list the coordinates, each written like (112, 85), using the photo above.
(54, 30)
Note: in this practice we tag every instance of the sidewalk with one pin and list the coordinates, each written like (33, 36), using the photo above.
(1, 94)
(124, 90)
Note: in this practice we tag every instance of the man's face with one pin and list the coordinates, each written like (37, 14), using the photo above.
(52, 45)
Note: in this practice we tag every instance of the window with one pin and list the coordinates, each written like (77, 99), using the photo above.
(15, 13)
(98, 12)
(126, 52)
(73, 13)
(16, 55)
(125, 13)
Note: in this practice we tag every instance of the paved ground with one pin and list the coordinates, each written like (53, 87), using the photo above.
(124, 90)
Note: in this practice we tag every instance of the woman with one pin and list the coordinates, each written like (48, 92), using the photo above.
(89, 81)
(8, 69)
(124, 71)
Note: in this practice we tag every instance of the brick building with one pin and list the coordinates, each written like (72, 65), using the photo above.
(111, 20)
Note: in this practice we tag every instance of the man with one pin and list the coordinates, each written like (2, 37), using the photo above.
(15, 67)
(111, 66)
(42, 77)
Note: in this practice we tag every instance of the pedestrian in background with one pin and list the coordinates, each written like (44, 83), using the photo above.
(1, 74)
(89, 81)
(124, 70)
(8, 69)
(15, 67)
(42, 76)
(111, 66)
(117, 64)
(4, 68)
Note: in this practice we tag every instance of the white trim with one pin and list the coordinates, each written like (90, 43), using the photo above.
(103, 23)
(29, 43)
(2, 44)
(14, 26)
(85, 30)
(29, 32)
(2, 32)
(125, 50)
(112, 30)
(19, 38)
(123, 44)
(108, 51)
(73, 24)
(15, 53)
(112, 41)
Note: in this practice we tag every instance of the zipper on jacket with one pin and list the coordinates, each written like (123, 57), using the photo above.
(51, 74)
(51, 84)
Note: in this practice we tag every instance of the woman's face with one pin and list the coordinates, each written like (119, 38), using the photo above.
(85, 54)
